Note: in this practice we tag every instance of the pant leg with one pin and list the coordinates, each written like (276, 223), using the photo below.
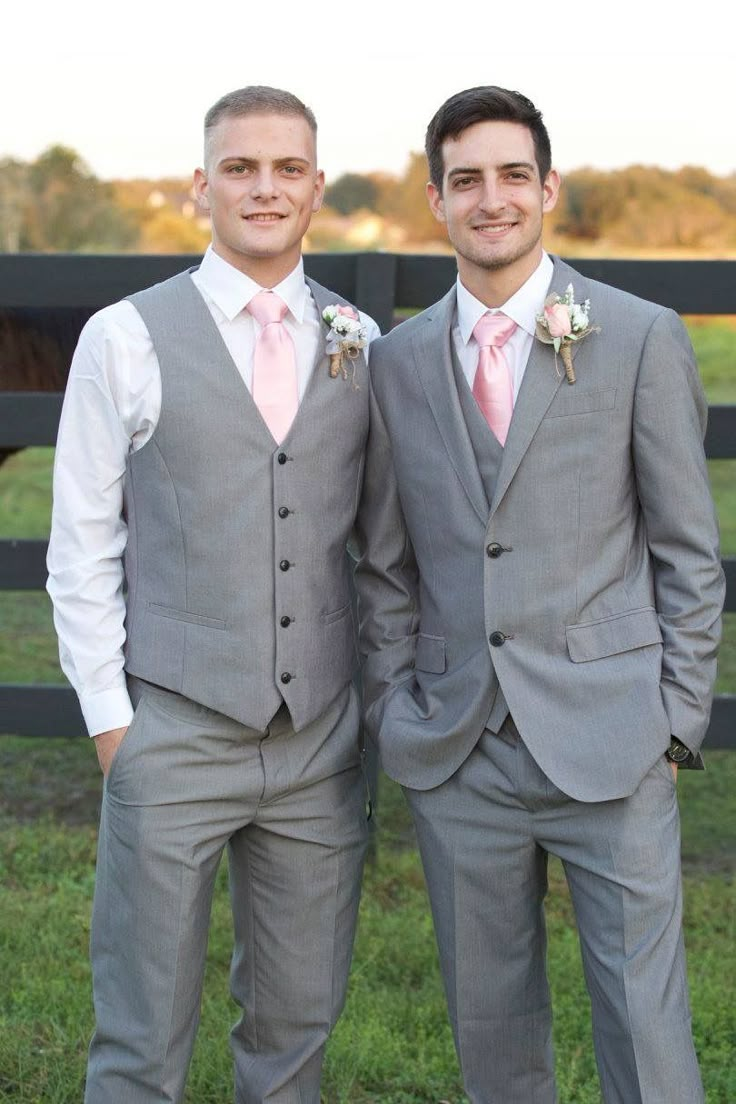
(622, 860)
(295, 877)
(182, 781)
(486, 878)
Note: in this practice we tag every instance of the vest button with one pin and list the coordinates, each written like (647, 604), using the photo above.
(284, 565)
(497, 638)
(283, 511)
(286, 678)
(494, 550)
(284, 622)
(282, 458)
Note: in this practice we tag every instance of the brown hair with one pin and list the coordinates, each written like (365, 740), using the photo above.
(478, 105)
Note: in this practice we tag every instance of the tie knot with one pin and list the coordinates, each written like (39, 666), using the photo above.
(493, 329)
(267, 307)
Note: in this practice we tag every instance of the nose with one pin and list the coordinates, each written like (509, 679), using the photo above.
(265, 185)
(491, 198)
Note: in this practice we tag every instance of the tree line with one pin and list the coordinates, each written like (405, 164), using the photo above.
(57, 204)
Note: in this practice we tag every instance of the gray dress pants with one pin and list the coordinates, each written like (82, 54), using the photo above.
(484, 836)
(290, 807)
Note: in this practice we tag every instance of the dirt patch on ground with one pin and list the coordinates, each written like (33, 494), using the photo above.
(49, 778)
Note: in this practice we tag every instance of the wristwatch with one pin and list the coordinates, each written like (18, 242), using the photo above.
(677, 752)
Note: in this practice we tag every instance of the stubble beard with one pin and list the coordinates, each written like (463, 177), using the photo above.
(495, 262)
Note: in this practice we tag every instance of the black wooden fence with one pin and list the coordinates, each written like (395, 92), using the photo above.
(45, 300)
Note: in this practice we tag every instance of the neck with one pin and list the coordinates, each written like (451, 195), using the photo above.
(265, 271)
(495, 286)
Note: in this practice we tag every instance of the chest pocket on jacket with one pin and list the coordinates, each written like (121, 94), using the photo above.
(571, 401)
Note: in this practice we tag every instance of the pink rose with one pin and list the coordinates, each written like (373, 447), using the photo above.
(347, 311)
(558, 320)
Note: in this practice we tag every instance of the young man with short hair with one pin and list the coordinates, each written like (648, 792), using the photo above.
(540, 610)
(209, 463)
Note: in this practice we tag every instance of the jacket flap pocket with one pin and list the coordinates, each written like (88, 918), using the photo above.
(430, 654)
(571, 401)
(611, 635)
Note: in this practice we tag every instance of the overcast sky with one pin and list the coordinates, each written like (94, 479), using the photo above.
(127, 85)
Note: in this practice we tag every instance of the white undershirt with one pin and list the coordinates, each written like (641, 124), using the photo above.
(523, 307)
(111, 408)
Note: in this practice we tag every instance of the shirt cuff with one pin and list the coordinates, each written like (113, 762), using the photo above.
(106, 709)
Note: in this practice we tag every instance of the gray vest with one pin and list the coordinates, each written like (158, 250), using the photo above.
(488, 455)
(238, 582)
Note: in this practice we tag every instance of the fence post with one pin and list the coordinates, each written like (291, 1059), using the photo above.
(375, 287)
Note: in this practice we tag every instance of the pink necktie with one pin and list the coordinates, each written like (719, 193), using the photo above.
(275, 390)
(493, 388)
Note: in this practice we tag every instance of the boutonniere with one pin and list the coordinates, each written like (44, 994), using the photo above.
(345, 338)
(563, 322)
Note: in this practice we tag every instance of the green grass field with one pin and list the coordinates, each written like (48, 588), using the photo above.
(393, 1045)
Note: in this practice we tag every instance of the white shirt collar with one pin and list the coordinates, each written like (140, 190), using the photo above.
(523, 306)
(231, 290)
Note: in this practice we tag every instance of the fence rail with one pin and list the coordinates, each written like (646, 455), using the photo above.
(45, 300)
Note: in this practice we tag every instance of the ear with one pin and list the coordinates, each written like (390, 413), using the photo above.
(436, 202)
(550, 190)
(319, 191)
(200, 189)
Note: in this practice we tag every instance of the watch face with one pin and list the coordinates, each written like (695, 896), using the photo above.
(677, 752)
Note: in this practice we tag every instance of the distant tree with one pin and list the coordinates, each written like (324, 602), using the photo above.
(406, 203)
(351, 192)
(165, 214)
(589, 201)
(68, 209)
(644, 206)
(167, 231)
(13, 192)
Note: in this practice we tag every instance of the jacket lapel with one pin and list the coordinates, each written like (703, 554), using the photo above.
(539, 386)
(432, 358)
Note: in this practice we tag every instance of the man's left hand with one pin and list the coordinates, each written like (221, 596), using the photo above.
(674, 768)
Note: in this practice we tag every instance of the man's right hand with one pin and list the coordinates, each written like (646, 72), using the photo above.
(107, 743)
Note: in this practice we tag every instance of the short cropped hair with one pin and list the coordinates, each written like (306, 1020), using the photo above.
(256, 99)
(479, 105)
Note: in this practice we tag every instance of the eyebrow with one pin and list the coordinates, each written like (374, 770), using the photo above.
(504, 168)
(235, 159)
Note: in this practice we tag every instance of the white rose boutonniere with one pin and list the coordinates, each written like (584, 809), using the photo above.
(562, 323)
(346, 337)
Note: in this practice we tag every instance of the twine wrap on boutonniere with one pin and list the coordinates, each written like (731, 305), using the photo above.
(562, 323)
(345, 338)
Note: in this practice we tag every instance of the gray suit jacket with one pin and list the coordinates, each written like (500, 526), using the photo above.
(608, 591)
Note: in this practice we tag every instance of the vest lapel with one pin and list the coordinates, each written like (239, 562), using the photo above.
(320, 381)
(486, 447)
(204, 339)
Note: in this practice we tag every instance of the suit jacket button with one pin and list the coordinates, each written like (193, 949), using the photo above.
(283, 511)
(282, 458)
(285, 622)
(494, 550)
(497, 638)
(286, 677)
(284, 565)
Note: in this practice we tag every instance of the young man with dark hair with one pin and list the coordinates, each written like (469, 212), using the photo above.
(540, 610)
(210, 463)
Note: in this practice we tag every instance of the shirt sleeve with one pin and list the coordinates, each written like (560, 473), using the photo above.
(88, 530)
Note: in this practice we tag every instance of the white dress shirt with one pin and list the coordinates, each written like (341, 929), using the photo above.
(111, 408)
(523, 307)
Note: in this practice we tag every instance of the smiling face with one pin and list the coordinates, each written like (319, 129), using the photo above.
(261, 186)
(493, 202)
